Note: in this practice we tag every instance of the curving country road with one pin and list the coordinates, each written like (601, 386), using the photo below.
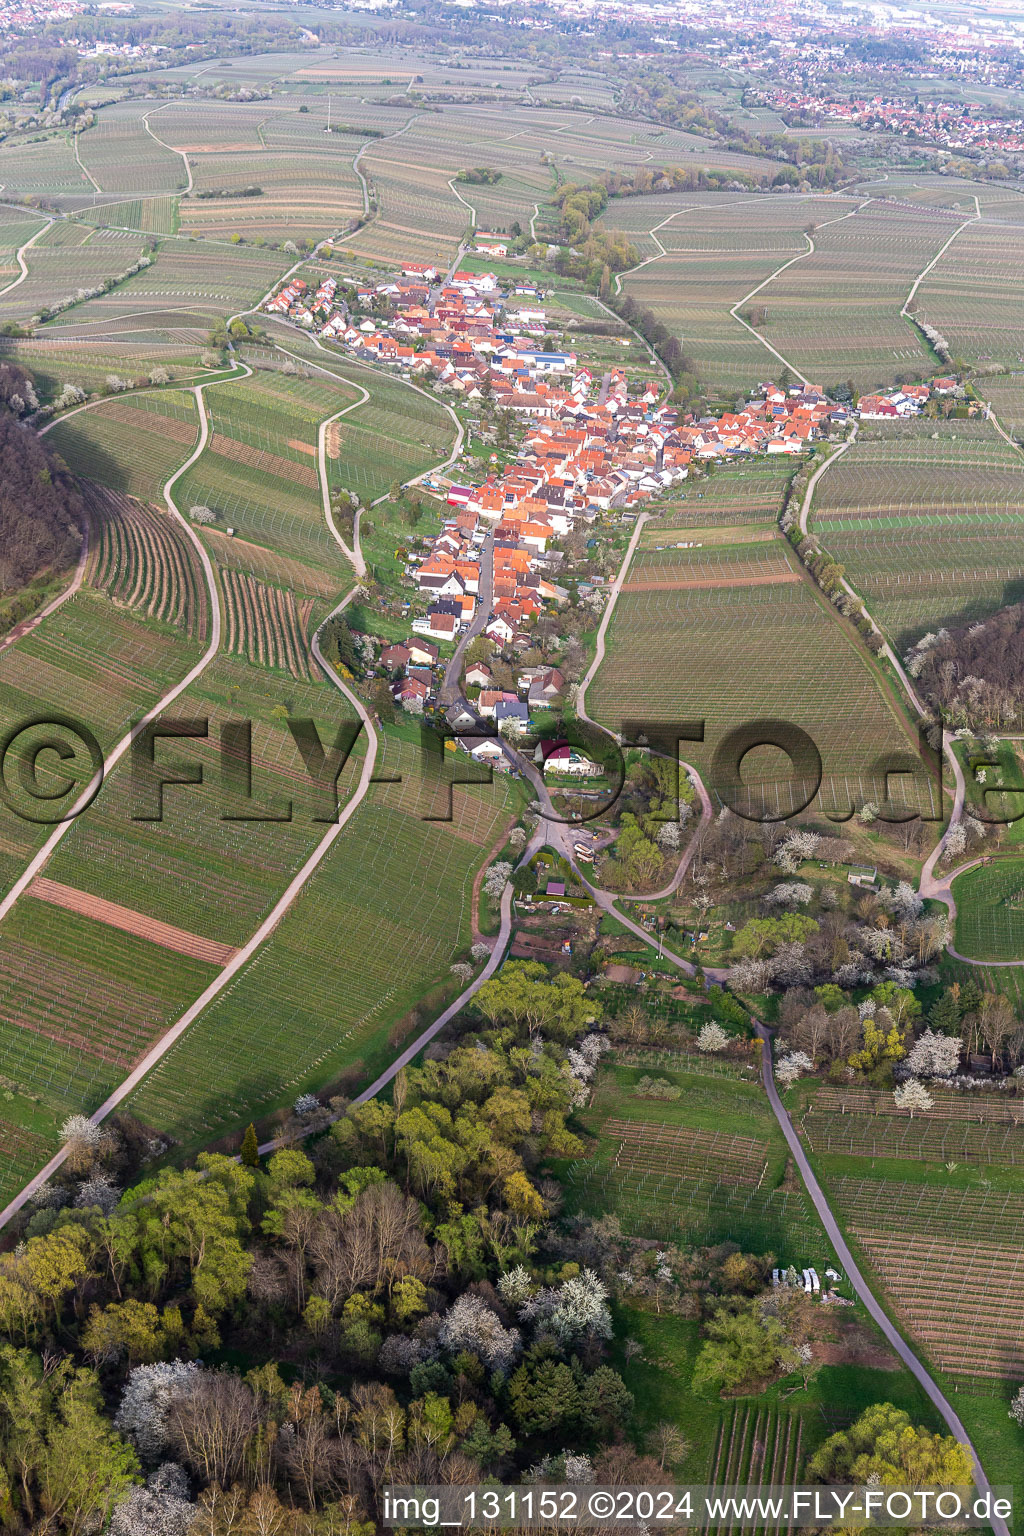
(860, 1285)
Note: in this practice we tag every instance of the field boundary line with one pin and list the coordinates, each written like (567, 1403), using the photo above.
(19, 254)
(84, 168)
(188, 168)
(802, 256)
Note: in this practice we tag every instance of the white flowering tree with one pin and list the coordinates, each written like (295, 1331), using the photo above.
(934, 1055)
(1017, 1408)
(469, 1324)
(162, 1508)
(712, 1039)
(497, 878)
(150, 1393)
(913, 1095)
(793, 1066)
(576, 1309)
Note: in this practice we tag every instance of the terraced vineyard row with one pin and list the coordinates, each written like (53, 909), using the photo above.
(266, 624)
(143, 560)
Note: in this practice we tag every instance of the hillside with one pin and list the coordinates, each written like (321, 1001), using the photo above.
(41, 509)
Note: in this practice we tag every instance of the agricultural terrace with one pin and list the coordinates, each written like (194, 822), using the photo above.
(259, 473)
(927, 517)
(734, 632)
(141, 558)
(990, 911)
(393, 884)
(131, 443)
(66, 258)
(189, 286)
(88, 659)
(708, 1165)
(836, 315)
(716, 250)
(974, 296)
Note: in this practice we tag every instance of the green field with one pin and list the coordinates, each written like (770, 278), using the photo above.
(990, 911)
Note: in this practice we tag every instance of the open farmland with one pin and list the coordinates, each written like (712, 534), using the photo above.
(66, 258)
(704, 644)
(132, 443)
(926, 516)
(974, 296)
(393, 883)
(266, 624)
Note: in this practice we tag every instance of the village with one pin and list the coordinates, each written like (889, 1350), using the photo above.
(589, 449)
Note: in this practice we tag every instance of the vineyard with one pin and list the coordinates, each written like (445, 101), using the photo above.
(131, 444)
(265, 624)
(920, 1138)
(141, 558)
(392, 885)
(735, 653)
(67, 258)
(990, 911)
(973, 295)
(964, 1302)
(756, 1447)
(926, 518)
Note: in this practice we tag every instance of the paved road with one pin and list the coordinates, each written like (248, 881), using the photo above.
(451, 690)
(860, 1285)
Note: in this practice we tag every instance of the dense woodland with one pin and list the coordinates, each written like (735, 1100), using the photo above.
(41, 511)
(973, 674)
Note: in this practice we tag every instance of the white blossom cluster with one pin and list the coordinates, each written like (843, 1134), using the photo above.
(149, 1394)
(472, 1325)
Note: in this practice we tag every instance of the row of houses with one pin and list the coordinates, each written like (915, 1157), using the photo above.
(909, 400)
